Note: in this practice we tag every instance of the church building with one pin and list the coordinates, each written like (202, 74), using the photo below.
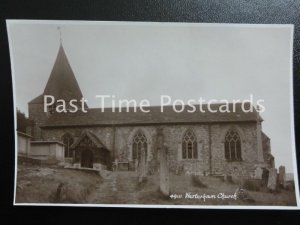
(207, 143)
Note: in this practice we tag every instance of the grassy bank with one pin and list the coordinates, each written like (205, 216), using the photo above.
(41, 184)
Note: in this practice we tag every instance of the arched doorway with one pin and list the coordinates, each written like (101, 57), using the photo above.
(87, 158)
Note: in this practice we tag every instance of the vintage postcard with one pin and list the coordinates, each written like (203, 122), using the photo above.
(142, 114)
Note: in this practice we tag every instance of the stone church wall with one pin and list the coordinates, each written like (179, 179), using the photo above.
(173, 135)
(36, 113)
(247, 133)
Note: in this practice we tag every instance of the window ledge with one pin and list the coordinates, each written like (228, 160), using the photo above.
(232, 161)
(190, 160)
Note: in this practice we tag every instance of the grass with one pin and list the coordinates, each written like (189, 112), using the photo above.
(39, 184)
(149, 193)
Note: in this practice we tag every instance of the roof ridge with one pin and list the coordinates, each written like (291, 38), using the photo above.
(170, 106)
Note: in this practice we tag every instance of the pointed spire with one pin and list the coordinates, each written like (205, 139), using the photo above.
(59, 30)
(62, 83)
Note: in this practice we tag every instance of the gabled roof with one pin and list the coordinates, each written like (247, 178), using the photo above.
(95, 117)
(91, 136)
(62, 83)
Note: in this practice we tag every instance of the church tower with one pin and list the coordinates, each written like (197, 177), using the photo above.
(61, 84)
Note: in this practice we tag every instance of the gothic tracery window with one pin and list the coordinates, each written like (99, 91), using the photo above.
(189, 145)
(139, 141)
(68, 140)
(233, 146)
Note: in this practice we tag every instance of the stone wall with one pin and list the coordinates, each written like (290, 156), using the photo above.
(23, 143)
(247, 133)
(121, 145)
(173, 138)
(36, 113)
(47, 149)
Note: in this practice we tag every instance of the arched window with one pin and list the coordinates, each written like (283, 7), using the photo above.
(139, 141)
(68, 140)
(189, 145)
(233, 146)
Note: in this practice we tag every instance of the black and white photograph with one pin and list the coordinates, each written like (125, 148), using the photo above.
(153, 114)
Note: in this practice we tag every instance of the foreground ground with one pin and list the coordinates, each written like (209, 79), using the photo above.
(37, 184)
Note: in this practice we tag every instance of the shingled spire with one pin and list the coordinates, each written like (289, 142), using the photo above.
(62, 83)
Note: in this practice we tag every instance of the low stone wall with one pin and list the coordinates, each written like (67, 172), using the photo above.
(50, 149)
(23, 143)
(96, 166)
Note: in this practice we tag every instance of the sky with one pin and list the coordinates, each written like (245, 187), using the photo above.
(146, 60)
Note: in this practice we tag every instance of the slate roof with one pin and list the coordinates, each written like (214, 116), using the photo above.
(95, 117)
(62, 83)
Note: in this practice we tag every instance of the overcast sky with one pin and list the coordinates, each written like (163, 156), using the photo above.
(143, 61)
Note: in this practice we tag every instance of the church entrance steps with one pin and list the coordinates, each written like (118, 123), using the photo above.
(116, 188)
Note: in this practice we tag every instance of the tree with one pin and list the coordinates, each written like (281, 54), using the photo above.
(23, 122)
